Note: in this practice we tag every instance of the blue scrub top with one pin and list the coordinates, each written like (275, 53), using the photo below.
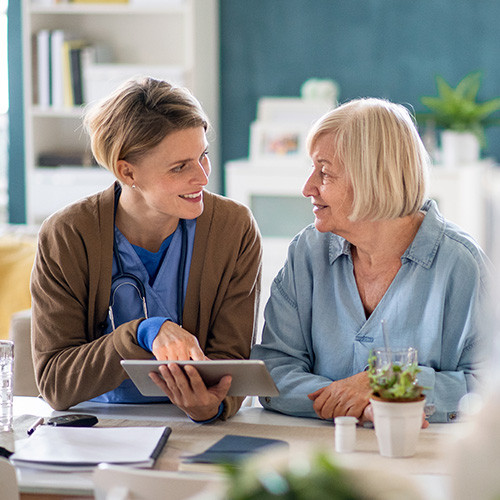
(161, 296)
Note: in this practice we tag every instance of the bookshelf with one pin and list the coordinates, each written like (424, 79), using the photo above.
(172, 39)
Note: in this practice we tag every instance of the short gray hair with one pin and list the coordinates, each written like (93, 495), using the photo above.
(378, 144)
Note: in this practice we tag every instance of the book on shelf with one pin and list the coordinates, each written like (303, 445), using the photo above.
(71, 71)
(42, 82)
(232, 449)
(59, 63)
(66, 159)
(56, 68)
(73, 93)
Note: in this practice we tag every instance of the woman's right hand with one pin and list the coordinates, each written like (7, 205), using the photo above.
(173, 343)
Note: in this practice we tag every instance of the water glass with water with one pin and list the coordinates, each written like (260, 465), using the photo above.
(385, 358)
(6, 380)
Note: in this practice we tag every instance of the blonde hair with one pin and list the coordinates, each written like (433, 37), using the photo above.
(136, 117)
(378, 144)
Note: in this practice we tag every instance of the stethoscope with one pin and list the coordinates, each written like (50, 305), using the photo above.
(132, 280)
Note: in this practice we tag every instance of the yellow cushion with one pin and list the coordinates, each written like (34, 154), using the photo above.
(16, 261)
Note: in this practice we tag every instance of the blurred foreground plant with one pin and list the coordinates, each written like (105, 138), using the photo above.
(317, 478)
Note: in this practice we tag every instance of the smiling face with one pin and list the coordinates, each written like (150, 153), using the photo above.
(169, 180)
(329, 188)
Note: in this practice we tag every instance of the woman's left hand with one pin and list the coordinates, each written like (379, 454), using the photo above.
(185, 389)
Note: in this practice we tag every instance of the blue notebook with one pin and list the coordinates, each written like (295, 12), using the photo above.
(233, 448)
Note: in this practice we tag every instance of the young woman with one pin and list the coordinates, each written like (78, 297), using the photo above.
(154, 266)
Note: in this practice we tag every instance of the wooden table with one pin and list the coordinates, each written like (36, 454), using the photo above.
(428, 468)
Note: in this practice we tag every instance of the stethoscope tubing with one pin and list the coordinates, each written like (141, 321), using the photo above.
(139, 285)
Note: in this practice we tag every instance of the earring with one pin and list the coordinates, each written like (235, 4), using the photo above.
(133, 186)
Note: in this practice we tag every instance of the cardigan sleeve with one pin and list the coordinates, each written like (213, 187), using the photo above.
(72, 362)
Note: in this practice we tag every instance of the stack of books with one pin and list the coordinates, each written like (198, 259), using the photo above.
(60, 68)
(62, 62)
(69, 71)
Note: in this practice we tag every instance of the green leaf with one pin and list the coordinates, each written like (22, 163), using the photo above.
(468, 87)
(444, 90)
(457, 108)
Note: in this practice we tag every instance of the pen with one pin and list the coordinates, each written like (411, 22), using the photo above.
(31, 430)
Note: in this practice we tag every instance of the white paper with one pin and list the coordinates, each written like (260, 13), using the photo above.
(67, 447)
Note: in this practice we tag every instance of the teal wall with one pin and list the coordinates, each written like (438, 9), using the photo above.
(382, 48)
(16, 184)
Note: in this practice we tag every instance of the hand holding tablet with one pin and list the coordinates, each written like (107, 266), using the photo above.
(250, 377)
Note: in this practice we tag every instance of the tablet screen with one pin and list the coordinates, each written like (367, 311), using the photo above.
(250, 377)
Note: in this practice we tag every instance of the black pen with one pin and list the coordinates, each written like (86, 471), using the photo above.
(31, 430)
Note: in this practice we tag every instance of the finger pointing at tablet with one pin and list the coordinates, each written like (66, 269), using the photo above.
(175, 343)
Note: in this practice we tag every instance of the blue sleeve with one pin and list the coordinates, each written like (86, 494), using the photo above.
(463, 339)
(287, 351)
(148, 330)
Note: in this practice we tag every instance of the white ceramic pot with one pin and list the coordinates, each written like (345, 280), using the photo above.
(397, 426)
(459, 148)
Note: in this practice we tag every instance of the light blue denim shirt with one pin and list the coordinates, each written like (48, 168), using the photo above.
(316, 330)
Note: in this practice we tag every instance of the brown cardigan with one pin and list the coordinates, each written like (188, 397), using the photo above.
(71, 283)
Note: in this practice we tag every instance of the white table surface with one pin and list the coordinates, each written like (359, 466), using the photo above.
(426, 471)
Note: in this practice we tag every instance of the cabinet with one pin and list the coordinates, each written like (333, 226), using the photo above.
(143, 37)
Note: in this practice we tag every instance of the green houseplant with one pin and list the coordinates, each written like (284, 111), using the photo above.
(397, 400)
(394, 381)
(462, 119)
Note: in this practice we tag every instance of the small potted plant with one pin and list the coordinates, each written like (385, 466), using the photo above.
(397, 400)
(461, 117)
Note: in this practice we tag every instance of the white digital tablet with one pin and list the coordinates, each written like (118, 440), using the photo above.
(250, 377)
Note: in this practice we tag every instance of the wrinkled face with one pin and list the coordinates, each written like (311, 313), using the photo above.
(170, 178)
(329, 188)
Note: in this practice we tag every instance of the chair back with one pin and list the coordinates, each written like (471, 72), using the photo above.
(8, 481)
(24, 372)
(115, 482)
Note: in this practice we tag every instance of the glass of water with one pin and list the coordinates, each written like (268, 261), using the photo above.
(6, 379)
(386, 358)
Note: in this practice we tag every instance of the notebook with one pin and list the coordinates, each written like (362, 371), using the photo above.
(231, 449)
(83, 448)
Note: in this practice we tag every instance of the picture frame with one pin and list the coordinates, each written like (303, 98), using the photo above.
(291, 109)
(278, 141)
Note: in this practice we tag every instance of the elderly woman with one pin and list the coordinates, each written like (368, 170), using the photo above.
(377, 251)
(153, 266)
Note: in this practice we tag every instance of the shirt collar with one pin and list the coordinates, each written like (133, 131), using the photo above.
(423, 248)
(425, 245)
(338, 246)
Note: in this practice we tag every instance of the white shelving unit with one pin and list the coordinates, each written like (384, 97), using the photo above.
(174, 33)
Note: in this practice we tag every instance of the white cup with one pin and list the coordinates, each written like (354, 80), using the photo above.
(6, 380)
(345, 434)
